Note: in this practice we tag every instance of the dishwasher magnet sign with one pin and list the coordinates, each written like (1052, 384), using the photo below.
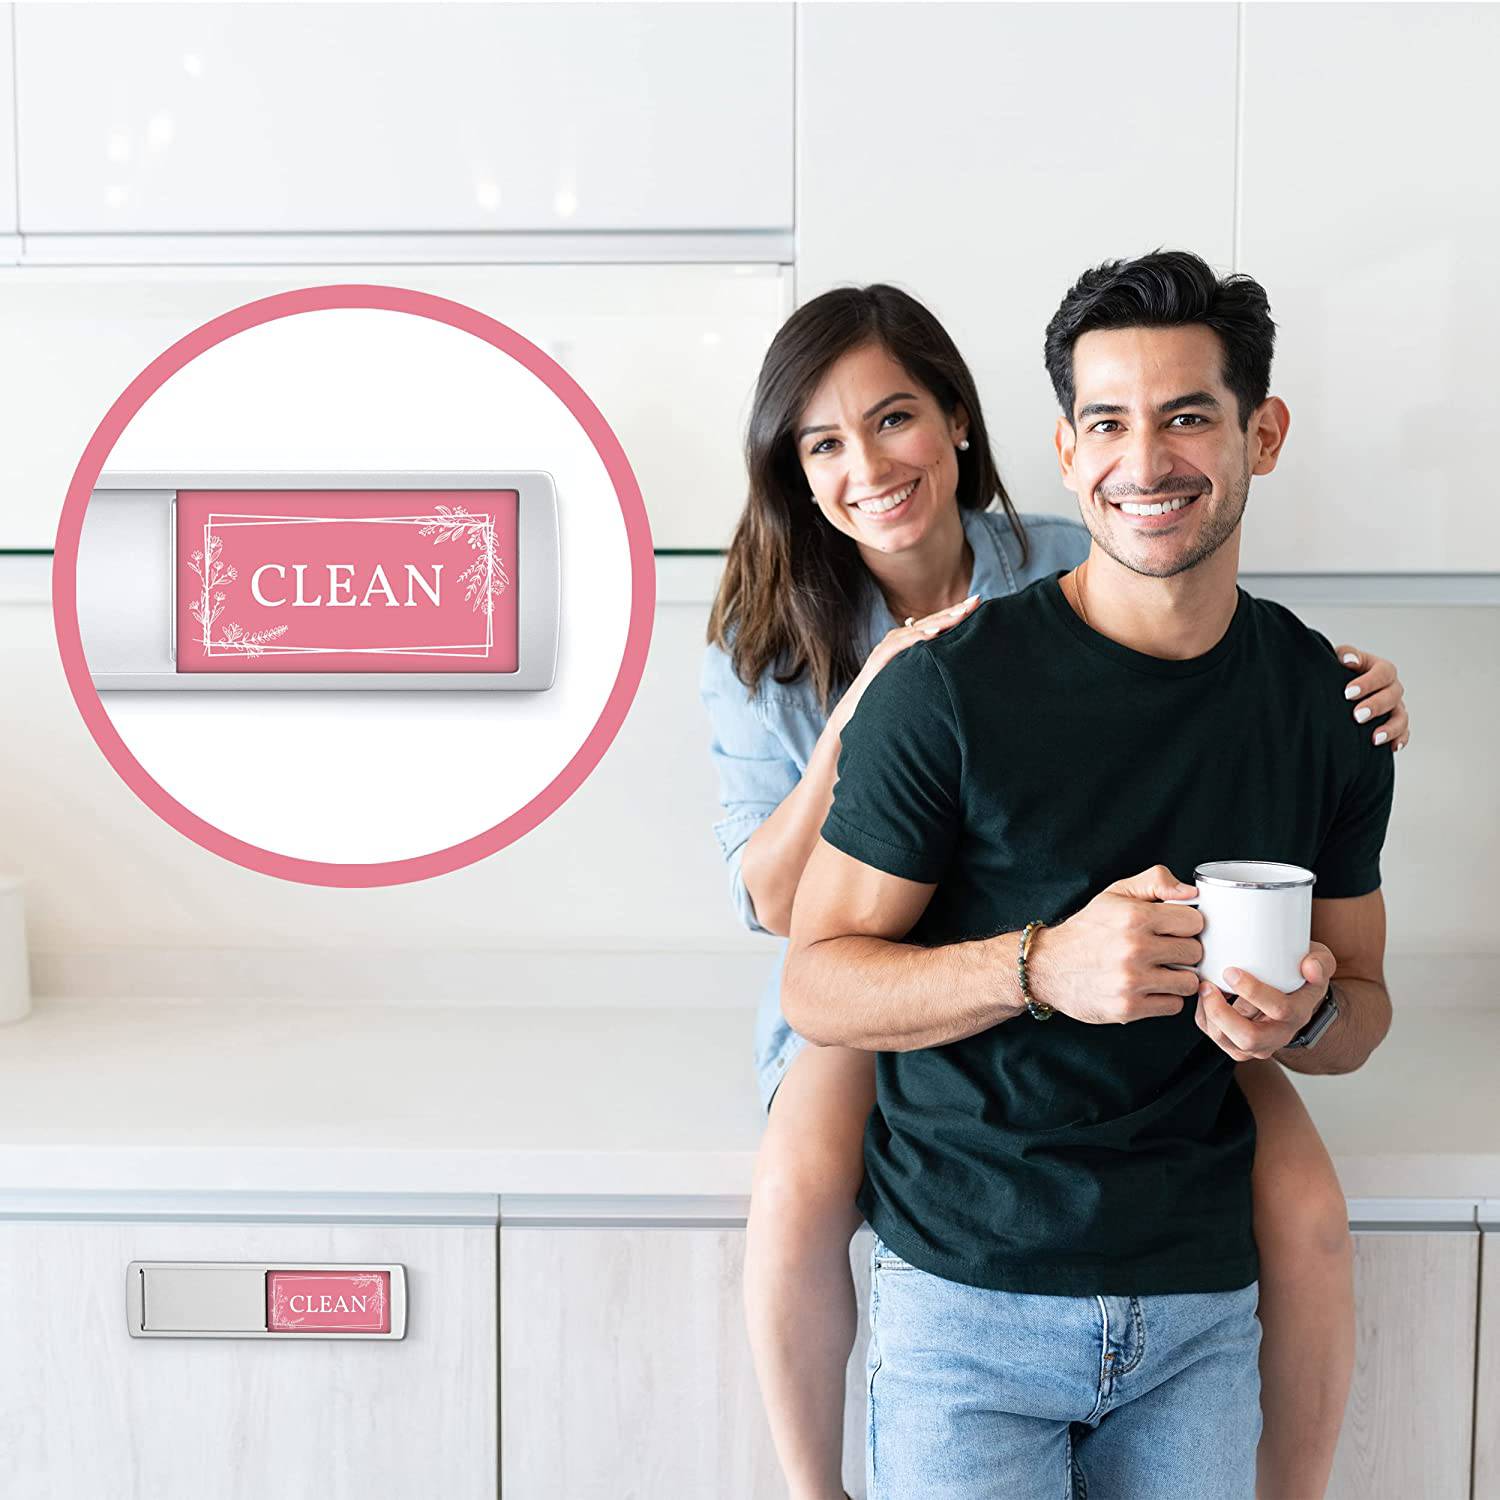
(328, 1302)
(346, 581)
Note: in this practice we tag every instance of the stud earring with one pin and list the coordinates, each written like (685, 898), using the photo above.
(963, 445)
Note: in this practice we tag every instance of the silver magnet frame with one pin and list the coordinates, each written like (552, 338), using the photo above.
(136, 1299)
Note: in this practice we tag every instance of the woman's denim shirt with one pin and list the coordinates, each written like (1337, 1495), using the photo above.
(762, 741)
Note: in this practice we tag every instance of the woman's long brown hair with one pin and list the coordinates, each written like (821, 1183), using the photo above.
(793, 596)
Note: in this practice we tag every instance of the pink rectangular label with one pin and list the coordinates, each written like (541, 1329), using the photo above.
(346, 580)
(328, 1301)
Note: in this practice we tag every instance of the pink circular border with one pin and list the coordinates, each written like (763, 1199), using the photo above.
(637, 640)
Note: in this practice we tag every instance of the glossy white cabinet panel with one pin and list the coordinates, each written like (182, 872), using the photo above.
(982, 156)
(1370, 209)
(7, 130)
(668, 353)
(525, 117)
(86, 1410)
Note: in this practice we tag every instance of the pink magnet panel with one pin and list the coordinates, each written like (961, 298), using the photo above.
(328, 1301)
(347, 580)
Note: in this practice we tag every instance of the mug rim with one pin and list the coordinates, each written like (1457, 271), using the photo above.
(1306, 877)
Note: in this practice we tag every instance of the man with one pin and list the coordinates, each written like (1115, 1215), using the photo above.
(1065, 1274)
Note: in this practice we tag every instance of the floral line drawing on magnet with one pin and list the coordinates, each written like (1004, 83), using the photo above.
(485, 579)
(212, 571)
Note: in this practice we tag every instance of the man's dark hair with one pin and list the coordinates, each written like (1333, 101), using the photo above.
(1167, 289)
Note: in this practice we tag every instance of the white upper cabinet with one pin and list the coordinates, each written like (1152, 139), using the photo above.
(667, 353)
(7, 123)
(1370, 210)
(404, 117)
(982, 156)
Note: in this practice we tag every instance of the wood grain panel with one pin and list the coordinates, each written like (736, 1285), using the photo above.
(88, 1413)
(625, 1370)
(1487, 1396)
(856, 1391)
(1409, 1423)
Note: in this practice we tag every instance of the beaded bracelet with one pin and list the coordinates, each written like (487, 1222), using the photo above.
(1040, 1011)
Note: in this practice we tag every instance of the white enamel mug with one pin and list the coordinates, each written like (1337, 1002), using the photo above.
(1257, 916)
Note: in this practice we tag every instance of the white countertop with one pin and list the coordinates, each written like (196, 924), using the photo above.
(234, 1096)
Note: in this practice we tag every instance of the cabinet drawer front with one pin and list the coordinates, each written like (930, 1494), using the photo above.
(100, 1413)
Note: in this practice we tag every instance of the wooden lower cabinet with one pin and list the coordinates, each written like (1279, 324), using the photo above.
(89, 1413)
(625, 1373)
(1487, 1395)
(1408, 1429)
(623, 1368)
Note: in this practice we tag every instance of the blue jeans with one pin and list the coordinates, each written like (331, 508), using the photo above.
(977, 1393)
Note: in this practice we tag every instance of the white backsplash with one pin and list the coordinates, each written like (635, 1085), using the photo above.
(119, 903)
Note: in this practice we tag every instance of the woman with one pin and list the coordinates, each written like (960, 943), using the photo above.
(815, 589)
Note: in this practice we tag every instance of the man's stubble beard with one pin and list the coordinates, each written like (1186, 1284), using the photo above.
(1221, 526)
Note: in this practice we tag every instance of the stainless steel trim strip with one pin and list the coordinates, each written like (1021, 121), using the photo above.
(103, 1206)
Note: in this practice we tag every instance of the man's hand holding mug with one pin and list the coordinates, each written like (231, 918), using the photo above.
(1128, 955)
(1263, 1019)
(1138, 949)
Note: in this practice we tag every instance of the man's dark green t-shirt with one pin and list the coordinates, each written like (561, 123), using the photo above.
(1022, 763)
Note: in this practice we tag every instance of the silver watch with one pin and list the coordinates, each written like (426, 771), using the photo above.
(1322, 1018)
